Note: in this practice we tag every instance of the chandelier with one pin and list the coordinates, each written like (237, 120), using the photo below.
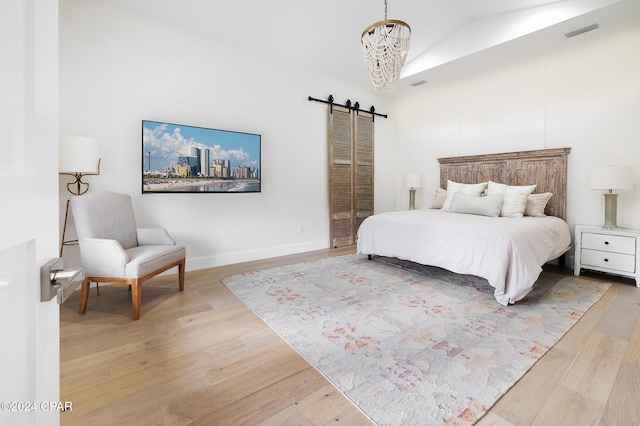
(385, 45)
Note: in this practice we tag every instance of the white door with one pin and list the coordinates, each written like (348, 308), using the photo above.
(29, 225)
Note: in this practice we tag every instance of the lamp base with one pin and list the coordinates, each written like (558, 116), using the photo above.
(610, 210)
(412, 199)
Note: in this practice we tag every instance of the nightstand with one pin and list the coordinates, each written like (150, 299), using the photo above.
(613, 251)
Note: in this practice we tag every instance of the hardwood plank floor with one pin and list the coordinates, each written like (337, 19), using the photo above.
(202, 357)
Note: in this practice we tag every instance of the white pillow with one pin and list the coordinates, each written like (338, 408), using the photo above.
(438, 201)
(536, 204)
(474, 190)
(483, 206)
(515, 198)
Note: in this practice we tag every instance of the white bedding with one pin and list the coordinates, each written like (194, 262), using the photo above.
(508, 252)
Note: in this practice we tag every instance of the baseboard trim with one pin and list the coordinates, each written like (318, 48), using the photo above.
(195, 264)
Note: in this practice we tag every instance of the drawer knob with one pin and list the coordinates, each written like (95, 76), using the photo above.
(606, 243)
(606, 260)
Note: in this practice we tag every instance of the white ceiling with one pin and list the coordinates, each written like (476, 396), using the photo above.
(450, 38)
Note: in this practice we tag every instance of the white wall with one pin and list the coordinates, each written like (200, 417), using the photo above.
(117, 69)
(586, 97)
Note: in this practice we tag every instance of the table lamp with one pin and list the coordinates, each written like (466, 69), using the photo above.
(611, 178)
(412, 181)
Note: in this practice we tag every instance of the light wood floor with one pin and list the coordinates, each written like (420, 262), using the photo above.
(201, 357)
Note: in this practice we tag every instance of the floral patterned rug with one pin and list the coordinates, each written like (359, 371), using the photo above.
(411, 344)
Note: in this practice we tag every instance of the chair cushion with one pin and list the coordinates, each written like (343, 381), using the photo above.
(144, 260)
(107, 215)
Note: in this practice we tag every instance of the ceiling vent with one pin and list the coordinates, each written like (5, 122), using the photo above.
(581, 30)
(419, 83)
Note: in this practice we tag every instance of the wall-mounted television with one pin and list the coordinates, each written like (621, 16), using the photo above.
(188, 159)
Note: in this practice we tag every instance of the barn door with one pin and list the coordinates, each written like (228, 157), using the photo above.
(350, 173)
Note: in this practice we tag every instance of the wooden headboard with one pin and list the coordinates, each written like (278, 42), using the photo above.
(547, 168)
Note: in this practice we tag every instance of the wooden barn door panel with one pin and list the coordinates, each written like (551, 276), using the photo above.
(363, 168)
(340, 178)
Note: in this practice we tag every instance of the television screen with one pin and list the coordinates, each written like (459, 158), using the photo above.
(179, 158)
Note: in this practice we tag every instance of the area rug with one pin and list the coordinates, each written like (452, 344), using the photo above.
(411, 344)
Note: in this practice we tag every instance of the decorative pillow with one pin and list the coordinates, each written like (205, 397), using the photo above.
(536, 204)
(474, 190)
(484, 206)
(438, 201)
(515, 197)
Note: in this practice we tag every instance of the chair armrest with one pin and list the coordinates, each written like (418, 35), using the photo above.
(154, 237)
(103, 257)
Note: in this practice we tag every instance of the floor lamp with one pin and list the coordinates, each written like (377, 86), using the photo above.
(78, 158)
(611, 178)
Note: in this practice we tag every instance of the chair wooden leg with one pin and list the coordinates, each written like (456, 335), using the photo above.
(136, 298)
(84, 296)
(181, 268)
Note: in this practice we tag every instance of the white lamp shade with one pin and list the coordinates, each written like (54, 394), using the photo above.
(611, 177)
(78, 154)
(412, 180)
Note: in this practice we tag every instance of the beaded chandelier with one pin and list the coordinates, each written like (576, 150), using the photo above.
(385, 45)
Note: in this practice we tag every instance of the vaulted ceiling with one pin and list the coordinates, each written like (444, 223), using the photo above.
(450, 38)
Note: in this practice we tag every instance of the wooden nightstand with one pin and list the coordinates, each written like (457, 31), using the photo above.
(614, 251)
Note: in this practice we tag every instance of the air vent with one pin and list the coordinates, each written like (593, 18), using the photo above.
(581, 30)
(419, 83)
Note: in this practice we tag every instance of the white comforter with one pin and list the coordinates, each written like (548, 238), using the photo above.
(508, 252)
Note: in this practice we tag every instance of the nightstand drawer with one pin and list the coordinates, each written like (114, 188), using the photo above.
(611, 243)
(613, 261)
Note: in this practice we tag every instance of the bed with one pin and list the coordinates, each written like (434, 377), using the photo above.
(507, 251)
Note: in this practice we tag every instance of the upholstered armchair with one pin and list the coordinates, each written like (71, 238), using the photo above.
(114, 250)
